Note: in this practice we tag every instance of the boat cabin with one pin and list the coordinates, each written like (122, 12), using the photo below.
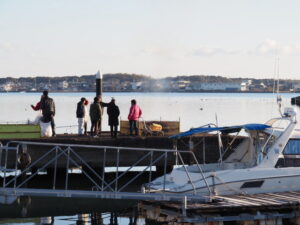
(265, 145)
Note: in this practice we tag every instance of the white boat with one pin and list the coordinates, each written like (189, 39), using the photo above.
(255, 165)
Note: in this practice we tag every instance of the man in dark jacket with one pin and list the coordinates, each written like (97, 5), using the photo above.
(48, 111)
(113, 120)
(95, 114)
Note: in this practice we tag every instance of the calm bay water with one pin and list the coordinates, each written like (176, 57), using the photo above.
(192, 109)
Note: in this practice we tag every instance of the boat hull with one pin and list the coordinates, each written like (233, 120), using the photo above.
(230, 182)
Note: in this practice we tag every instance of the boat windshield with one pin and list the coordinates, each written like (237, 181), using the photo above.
(263, 140)
(255, 146)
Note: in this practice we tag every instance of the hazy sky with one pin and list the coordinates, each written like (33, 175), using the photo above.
(235, 38)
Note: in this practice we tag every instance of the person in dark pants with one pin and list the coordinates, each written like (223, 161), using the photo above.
(135, 113)
(81, 114)
(113, 117)
(48, 111)
(95, 114)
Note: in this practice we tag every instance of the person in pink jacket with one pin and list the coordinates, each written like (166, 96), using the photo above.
(135, 113)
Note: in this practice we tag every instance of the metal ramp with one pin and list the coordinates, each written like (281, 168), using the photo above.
(16, 180)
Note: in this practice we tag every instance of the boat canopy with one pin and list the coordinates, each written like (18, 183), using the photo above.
(226, 130)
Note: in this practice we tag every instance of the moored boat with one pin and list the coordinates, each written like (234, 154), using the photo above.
(254, 166)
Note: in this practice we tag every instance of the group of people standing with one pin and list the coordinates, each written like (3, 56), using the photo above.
(95, 113)
(113, 112)
(47, 106)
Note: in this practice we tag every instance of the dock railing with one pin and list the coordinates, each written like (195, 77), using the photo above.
(16, 177)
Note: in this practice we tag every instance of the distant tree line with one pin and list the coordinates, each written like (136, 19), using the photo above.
(126, 82)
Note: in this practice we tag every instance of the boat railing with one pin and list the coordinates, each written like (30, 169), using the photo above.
(267, 144)
(20, 171)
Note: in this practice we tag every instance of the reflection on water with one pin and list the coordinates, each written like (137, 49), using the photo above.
(123, 212)
(80, 211)
(80, 219)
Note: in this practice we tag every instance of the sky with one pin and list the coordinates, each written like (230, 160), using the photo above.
(157, 38)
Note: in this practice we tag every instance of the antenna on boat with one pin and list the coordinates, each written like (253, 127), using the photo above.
(276, 84)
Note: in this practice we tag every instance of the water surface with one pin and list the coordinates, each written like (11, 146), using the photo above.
(192, 109)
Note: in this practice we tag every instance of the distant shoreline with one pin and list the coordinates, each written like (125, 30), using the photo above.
(240, 92)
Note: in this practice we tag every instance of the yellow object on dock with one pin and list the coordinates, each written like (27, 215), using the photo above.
(8, 131)
(155, 127)
(167, 127)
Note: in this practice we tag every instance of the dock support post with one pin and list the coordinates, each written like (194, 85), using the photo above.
(99, 94)
(184, 206)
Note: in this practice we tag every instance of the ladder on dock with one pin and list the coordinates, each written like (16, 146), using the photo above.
(16, 179)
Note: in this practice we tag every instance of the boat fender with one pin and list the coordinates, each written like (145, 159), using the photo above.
(24, 160)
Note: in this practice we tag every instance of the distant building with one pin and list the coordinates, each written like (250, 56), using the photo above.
(297, 87)
(63, 85)
(136, 85)
(7, 87)
(181, 85)
(257, 87)
(215, 86)
(245, 85)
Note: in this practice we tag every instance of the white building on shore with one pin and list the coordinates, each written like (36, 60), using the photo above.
(215, 86)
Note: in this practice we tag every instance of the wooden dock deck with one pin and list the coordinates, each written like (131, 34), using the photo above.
(266, 208)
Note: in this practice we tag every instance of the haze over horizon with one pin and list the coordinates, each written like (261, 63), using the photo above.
(233, 38)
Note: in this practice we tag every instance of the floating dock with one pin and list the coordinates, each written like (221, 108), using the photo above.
(58, 156)
(269, 208)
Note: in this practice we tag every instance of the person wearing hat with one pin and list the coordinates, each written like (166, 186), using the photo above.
(48, 111)
(113, 120)
(82, 115)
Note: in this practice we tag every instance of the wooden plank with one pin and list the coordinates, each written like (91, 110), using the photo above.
(262, 201)
(283, 197)
(239, 202)
(19, 128)
(275, 200)
(11, 131)
(19, 135)
(292, 195)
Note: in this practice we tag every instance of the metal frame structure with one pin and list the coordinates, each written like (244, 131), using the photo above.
(102, 188)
